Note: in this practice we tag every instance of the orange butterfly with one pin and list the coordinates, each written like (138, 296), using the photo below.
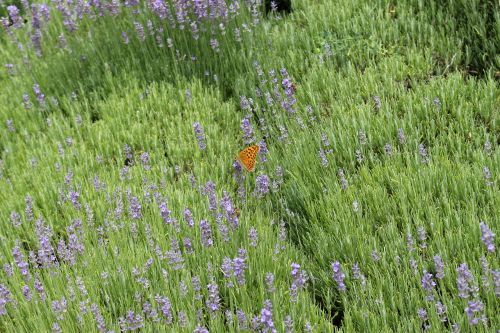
(247, 157)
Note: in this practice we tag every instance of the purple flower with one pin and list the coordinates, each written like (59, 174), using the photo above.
(487, 176)
(283, 134)
(134, 208)
(472, 310)
(160, 8)
(293, 292)
(209, 190)
(375, 256)
(322, 158)
(410, 242)
(310, 112)
(227, 270)
(438, 264)
(81, 286)
(338, 276)
(64, 253)
(200, 135)
(150, 312)
(223, 228)
(342, 179)
(401, 136)
(299, 277)
(27, 293)
(188, 246)
(165, 213)
(388, 149)
(496, 281)
(253, 236)
(357, 275)
(101, 325)
(261, 185)
(288, 323)
(239, 264)
(10, 125)
(195, 281)
(45, 252)
(129, 155)
(487, 147)
(125, 38)
(325, 142)
(188, 217)
(422, 314)
(428, 284)
(132, 321)
(5, 22)
(206, 233)
(40, 97)
(73, 196)
(20, 261)
(441, 311)
(227, 208)
(270, 282)
(437, 103)
(245, 103)
(59, 308)
(248, 131)
(56, 328)
(165, 307)
(413, 265)
(174, 256)
(263, 151)
(488, 237)
(465, 282)
(423, 153)
(5, 298)
(278, 180)
(422, 236)
(213, 300)
(287, 84)
(239, 177)
(183, 320)
(27, 102)
(377, 103)
(362, 137)
(140, 31)
(39, 289)
(28, 210)
(7, 268)
(17, 20)
(145, 161)
(485, 267)
(214, 44)
(200, 329)
(266, 318)
(359, 156)
(242, 320)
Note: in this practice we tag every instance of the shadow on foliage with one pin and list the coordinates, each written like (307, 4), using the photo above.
(298, 227)
(476, 24)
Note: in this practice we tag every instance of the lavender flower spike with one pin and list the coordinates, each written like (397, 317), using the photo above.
(338, 276)
(200, 135)
(488, 237)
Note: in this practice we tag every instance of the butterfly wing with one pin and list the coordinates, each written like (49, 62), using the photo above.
(247, 157)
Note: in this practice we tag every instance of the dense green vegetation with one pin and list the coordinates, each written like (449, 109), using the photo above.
(379, 126)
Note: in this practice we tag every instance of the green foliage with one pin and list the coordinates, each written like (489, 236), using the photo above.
(415, 56)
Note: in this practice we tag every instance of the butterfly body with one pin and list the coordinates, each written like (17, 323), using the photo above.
(247, 157)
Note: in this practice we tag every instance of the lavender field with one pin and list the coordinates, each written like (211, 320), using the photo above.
(375, 201)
